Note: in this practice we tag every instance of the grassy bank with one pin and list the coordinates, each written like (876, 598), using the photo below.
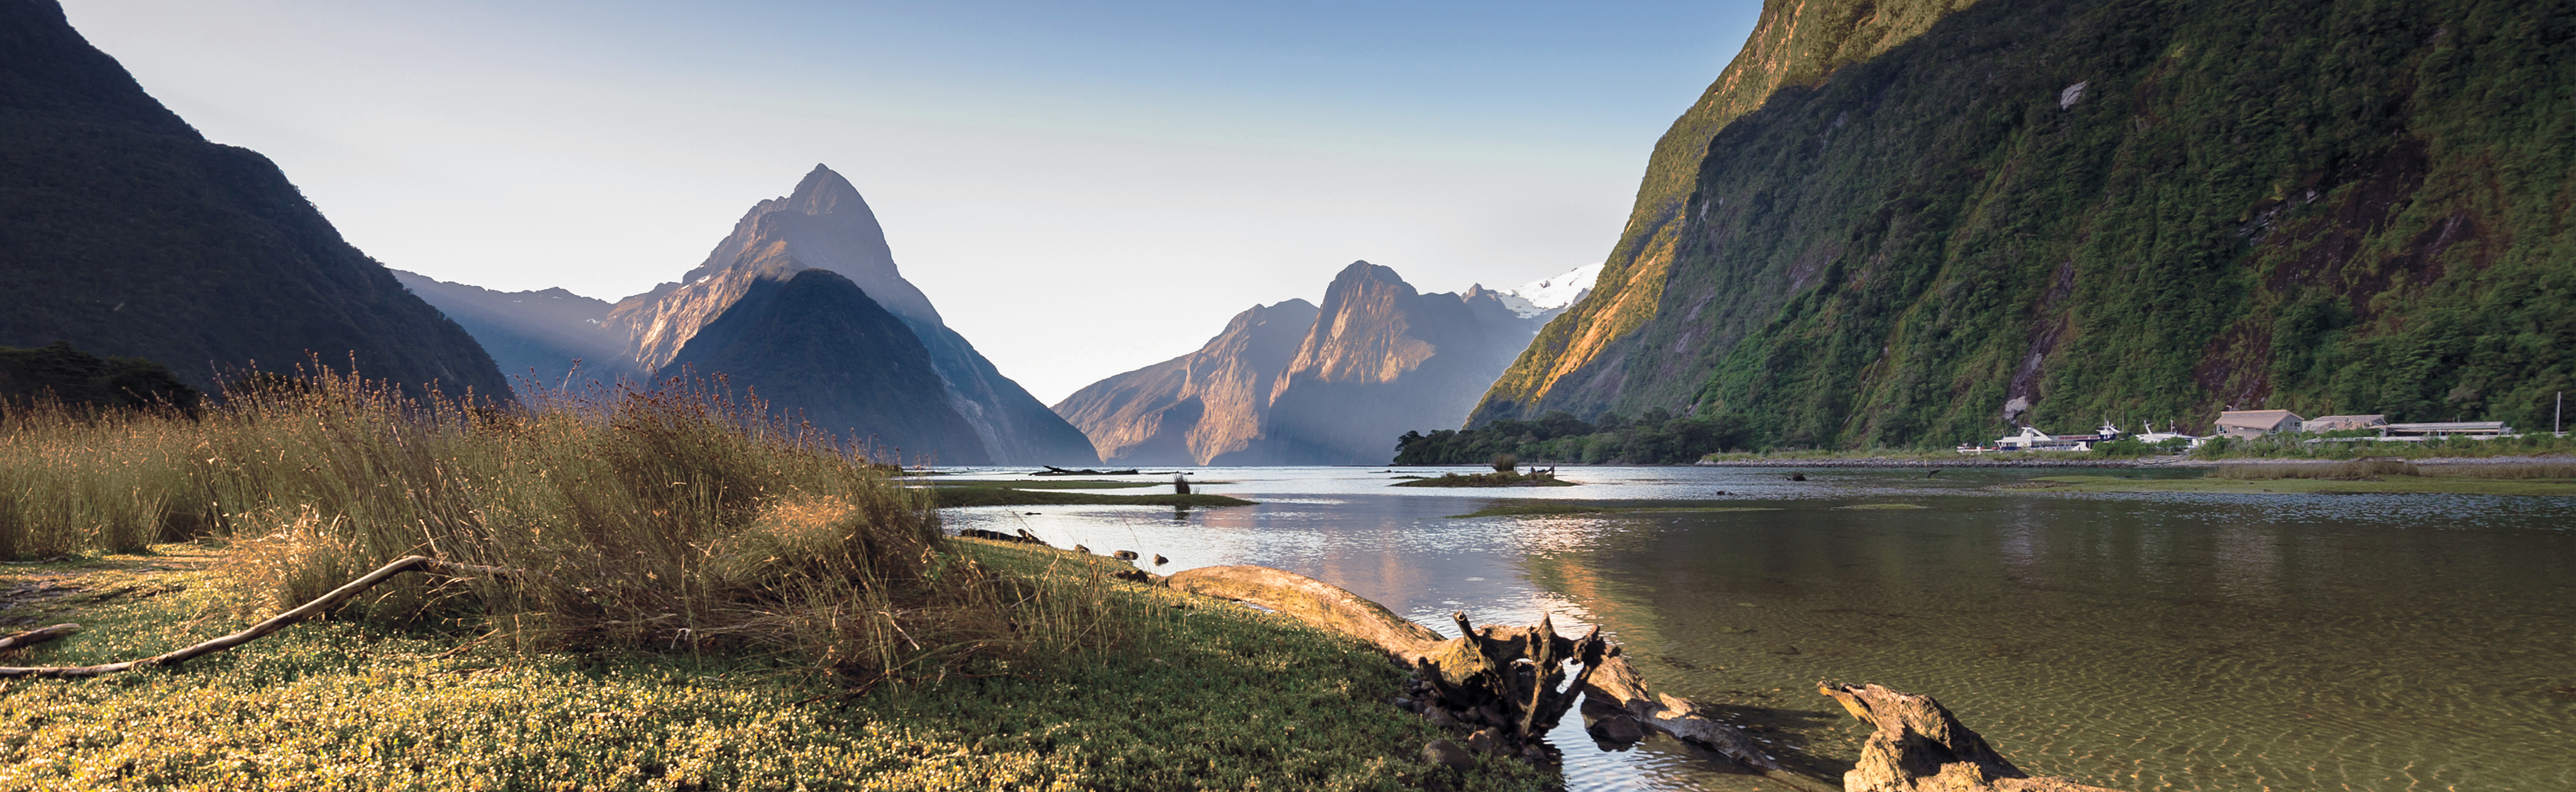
(1200, 695)
(698, 599)
(2315, 479)
(2296, 446)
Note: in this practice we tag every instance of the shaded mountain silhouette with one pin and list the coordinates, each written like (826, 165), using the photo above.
(815, 346)
(126, 233)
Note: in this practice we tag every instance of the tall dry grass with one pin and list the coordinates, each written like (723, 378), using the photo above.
(664, 519)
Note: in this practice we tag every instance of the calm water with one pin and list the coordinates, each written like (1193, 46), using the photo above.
(2145, 642)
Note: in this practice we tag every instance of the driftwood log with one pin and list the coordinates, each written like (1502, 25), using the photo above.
(37, 636)
(1507, 677)
(1920, 747)
(1313, 601)
(273, 624)
(1052, 470)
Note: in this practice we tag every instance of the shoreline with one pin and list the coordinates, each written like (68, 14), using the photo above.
(2139, 462)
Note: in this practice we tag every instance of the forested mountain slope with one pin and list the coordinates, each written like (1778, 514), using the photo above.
(2069, 210)
(1794, 43)
(126, 233)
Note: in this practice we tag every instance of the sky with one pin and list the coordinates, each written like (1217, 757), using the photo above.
(1082, 189)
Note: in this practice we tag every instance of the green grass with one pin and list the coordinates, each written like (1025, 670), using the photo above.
(1195, 694)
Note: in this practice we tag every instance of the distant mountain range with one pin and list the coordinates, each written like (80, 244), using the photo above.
(126, 233)
(1919, 222)
(1294, 383)
(854, 349)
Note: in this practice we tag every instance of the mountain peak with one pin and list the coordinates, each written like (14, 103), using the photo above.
(821, 192)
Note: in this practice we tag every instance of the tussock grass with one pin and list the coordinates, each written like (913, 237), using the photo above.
(660, 520)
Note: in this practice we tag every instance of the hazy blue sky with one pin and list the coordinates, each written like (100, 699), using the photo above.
(1082, 189)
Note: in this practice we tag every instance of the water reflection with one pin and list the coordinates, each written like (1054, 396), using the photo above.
(2135, 641)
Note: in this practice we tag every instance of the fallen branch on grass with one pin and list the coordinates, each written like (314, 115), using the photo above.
(37, 636)
(273, 624)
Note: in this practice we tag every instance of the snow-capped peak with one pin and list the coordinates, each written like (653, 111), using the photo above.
(1548, 294)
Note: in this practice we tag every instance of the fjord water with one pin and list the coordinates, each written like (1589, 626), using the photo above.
(2144, 642)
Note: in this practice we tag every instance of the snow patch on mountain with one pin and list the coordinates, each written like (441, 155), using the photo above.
(1548, 294)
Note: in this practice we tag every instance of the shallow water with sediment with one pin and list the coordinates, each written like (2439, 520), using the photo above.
(2174, 641)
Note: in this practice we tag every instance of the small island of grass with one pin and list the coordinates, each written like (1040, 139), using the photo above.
(948, 494)
(1531, 479)
(1506, 474)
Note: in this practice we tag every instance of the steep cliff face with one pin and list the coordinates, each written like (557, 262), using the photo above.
(1382, 360)
(817, 349)
(1199, 407)
(1298, 384)
(1794, 43)
(824, 224)
(2073, 210)
(126, 233)
(535, 336)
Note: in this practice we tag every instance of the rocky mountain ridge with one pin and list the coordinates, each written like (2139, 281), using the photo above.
(1294, 383)
(823, 224)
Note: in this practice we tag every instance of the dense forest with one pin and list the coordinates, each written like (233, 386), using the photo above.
(1655, 437)
(2066, 211)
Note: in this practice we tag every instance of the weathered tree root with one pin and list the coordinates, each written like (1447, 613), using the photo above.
(273, 624)
(1920, 747)
(1513, 671)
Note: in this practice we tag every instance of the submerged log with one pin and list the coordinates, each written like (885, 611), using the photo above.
(1619, 685)
(1920, 747)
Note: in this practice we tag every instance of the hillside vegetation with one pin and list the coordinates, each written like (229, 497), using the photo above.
(2069, 210)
